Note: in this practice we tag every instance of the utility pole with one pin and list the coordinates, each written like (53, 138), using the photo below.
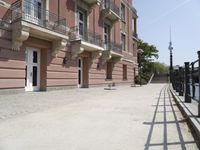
(171, 58)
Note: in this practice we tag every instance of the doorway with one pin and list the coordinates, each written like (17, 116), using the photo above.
(80, 72)
(32, 69)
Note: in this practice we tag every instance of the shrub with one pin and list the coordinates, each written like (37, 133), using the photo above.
(143, 80)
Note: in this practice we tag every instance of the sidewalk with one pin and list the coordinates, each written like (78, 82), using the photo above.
(127, 118)
(189, 110)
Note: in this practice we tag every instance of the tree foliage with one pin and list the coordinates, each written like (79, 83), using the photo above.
(147, 56)
(146, 62)
(160, 68)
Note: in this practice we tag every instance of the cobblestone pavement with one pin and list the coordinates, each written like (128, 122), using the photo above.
(31, 102)
(125, 118)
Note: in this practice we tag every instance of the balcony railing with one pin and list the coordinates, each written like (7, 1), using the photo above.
(87, 36)
(112, 46)
(135, 35)
(109, 4)
(134, 11)
(29, 12)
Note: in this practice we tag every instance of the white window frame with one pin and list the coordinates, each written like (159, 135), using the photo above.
(123, 12)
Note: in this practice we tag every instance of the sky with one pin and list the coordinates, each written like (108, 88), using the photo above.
(155, 19)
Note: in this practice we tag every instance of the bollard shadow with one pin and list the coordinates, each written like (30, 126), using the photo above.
(164, 124)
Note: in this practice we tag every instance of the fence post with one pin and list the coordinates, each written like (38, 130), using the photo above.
(176, 82)
(199, 82)
(193, 82)
(172, 78)
(181, 81)
(187, 83)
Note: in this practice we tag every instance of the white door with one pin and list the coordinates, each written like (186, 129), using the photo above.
(32, 69)
(80, 72)
(33, 11)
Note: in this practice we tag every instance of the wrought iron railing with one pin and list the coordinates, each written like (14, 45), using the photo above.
(28, 11)
(135, 35)
(186, 81)
(86, 35)
(109, 4)
(113, 46)
(134, 10)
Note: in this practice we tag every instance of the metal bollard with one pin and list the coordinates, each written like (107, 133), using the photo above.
(193, 82)
(199, 82)
(180, 81)
(187, 85)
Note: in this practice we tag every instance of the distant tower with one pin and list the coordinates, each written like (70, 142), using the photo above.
(171, 57)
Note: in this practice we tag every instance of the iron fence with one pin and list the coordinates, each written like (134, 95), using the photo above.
(135, 35)
(186, 81)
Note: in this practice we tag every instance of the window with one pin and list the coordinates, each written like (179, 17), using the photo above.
(106, 3)
(109, 70)
(124, 72)
(123, 41)
(81, 22)
(106, 36)
(123, 12)
(134, 25)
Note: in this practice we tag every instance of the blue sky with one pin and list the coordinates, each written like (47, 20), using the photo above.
(155, 19)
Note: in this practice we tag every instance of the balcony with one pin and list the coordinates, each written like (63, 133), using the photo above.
(85, 40)
(29, 19)
(135, 36)
(112, 51)
(110, 11)
(134, 11)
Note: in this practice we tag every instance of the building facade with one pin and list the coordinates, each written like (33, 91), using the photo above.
(66, 43)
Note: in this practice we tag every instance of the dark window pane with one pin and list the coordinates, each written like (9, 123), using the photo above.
(81, 29)
(26, 76)
(125, 72)
(81, 16)
(39, 10)
(105, 30)
(79, 76)
(34, 76)
(122, 12)
(123, 40)
(79, 63)
(35, 57)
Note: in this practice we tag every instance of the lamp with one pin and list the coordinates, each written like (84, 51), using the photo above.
(98, 65)
(65, 60)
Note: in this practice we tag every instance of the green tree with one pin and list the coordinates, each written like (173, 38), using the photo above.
(160, 68)
(145, 60)
(147, 56)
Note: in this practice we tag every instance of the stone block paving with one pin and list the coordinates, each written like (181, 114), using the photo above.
(124, 118)
(14, 105)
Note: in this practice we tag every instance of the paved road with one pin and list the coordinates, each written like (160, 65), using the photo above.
(94, 119)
